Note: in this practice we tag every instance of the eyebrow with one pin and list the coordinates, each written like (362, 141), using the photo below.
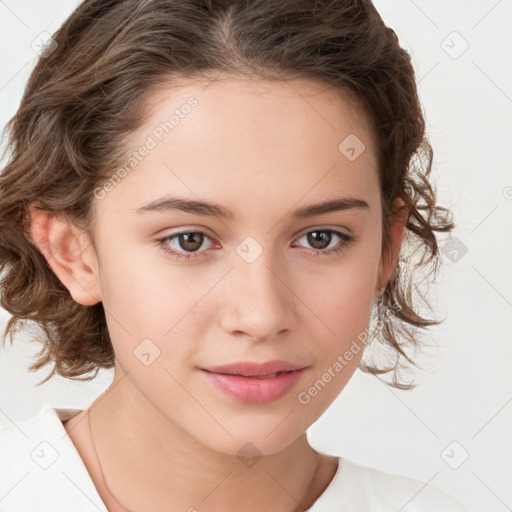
(209, 209)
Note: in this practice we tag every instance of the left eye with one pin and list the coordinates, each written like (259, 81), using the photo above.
(318, 237)
(192, 241)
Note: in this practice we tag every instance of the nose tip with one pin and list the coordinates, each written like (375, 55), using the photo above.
(261, 304)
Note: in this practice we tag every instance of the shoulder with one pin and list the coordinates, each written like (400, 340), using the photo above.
(406, 493)
(363, 489)
(40, 469)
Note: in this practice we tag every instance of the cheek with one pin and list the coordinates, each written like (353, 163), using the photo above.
(341, 294)
(341, 300)
(139, 289)
(151, 308)
(345, 314)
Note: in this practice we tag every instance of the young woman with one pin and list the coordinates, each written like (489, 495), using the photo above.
(211, 198)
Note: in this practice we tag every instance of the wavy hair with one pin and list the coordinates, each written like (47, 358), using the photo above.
(87, 94)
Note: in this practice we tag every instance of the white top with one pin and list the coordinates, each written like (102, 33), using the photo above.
(41, 471)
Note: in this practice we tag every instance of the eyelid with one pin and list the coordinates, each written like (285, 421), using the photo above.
(186, 229)
(212, 239)
(300, 234)
(342, 229)
(346, 241)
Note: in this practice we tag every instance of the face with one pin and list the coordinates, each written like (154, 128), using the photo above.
(188, 289)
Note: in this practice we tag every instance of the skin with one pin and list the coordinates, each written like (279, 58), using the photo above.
(166, 439)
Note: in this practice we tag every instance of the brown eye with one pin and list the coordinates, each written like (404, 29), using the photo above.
(319, 239)
(190, 241)
(179, 244)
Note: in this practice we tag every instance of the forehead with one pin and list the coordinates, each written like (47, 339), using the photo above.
(232, 101)
(250, 137)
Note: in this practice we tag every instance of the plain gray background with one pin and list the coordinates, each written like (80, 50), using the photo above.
(451, 430)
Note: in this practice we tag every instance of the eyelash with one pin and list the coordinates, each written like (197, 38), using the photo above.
(347, 240)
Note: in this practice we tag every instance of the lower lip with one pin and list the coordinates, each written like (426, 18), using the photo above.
(254, 390)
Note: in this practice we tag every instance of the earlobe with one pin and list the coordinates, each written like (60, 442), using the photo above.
(390, 252)
(69, 253)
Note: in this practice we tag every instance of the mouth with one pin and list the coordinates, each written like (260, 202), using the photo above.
(255, 383)
(251, 376)
(268, 369)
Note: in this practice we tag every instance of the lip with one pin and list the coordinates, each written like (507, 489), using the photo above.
(253, 369)
(255, 383)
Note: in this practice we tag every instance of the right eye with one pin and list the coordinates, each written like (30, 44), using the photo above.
(185, 241)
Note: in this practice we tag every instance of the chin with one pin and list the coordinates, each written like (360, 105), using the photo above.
(265, 435)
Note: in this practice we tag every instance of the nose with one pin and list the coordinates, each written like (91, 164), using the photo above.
(259, 304)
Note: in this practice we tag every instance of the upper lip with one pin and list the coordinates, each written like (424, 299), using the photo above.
(253, 369)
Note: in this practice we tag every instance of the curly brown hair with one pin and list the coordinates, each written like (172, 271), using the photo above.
(87, 95)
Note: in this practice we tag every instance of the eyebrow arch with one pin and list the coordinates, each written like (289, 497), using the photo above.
(170, 203)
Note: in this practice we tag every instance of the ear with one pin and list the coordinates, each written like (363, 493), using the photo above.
(391, 251)
(69, 252)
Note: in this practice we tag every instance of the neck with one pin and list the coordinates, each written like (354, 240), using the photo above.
(148, 463)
